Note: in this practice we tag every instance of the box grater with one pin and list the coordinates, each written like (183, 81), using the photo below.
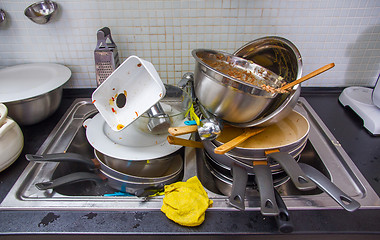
(106, 55)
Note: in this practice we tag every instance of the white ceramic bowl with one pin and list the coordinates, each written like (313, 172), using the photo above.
(11, 139)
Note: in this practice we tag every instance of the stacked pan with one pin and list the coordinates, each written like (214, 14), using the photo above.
(269, 156)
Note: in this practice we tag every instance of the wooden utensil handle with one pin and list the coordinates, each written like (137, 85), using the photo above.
(184, 142)
(308, 76)
(177, 131)
(222, 149)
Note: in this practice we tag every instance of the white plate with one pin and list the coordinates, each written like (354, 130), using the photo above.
(137, 82)
(128, 144)
(30, 80)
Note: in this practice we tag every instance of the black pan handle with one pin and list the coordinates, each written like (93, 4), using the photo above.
(330, 188)
(240, 178)
(291, 167)
(69, 179)
(264, 181)
(283, 220)
(61, 157)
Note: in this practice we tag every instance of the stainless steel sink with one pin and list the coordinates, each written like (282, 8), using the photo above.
(322, 151)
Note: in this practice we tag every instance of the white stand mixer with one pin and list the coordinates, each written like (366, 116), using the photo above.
(366, 103)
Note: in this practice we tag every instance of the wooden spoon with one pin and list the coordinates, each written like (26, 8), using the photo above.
(248, 132)
(308, 76)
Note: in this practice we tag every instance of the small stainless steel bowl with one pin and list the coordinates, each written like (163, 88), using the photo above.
(41, 12)
(175, 105)
(3, 17)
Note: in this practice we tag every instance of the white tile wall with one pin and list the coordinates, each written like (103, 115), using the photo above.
(164, 32)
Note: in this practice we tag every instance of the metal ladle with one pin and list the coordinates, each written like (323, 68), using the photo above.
(209, 128)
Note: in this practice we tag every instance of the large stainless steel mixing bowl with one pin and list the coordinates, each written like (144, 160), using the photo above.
(225, 96)
(283, 58)
(33, 110)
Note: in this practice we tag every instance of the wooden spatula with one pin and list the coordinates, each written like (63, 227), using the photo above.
(248, 132)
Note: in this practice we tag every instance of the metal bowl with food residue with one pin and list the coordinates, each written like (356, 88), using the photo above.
(230, 87)
(282, 57)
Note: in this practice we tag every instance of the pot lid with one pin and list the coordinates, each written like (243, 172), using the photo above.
(30, 80)
(130, 143)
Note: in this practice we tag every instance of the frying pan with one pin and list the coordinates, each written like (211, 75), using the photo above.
(283, 220)
(240, 170)
(273, 145)
(133, 184)
(236, 188)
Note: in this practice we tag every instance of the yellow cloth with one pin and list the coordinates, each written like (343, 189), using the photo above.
(186, 202)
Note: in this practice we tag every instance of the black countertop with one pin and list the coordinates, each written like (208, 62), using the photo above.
(345, 125)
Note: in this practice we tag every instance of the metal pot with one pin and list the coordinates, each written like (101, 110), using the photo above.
(36, 109)
(33, 92)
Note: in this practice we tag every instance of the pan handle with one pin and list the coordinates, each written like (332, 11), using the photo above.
(264, 181)
(61, 157)
(283, 220)
(331, 189)
(240, 178)
(291, 167)
(68, 179)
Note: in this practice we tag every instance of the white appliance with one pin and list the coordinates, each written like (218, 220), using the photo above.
(366, 103)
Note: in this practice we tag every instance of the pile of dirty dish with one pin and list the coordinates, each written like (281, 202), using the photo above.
(251, 136)
(129, 132)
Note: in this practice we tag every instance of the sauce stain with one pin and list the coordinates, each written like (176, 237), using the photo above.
(91, 215)
(49, 218)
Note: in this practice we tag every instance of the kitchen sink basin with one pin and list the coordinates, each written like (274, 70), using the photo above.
(322, 151)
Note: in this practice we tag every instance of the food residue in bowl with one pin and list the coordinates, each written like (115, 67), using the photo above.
(225, 65)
